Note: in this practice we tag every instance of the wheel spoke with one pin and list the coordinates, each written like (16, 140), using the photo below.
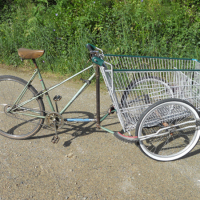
(16, 124)
(176, 137)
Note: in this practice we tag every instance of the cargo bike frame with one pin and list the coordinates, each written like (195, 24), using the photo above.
(156, 100)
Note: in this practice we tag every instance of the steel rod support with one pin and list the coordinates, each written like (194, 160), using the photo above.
(98, 96)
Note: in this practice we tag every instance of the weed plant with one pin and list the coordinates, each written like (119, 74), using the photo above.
(63, 27)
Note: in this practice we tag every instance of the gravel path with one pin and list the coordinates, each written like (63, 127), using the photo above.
(89, 163)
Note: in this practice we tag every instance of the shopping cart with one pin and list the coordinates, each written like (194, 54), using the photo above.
(158, 100)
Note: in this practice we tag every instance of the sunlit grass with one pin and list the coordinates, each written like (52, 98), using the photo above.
(151, 28)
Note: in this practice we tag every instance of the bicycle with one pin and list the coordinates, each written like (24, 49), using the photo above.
(136, 100)
(26, 110)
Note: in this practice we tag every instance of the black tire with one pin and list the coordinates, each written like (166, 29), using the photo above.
(175, 127)
(15, 125)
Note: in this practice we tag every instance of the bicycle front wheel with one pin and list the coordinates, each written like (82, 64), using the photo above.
(24, 121)
(167, 129)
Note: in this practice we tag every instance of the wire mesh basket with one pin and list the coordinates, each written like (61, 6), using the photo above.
(136, 82)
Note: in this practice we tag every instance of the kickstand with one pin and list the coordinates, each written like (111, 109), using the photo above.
(55, 138)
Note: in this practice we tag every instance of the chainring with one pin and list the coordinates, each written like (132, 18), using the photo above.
(53, 119)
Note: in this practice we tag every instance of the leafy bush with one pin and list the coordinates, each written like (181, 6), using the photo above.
(63, 27)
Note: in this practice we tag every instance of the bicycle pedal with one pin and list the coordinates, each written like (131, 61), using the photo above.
(55, 139)
(57, 98)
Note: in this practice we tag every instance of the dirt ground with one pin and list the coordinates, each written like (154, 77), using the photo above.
(88, 163)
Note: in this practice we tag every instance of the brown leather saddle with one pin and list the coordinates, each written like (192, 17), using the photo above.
(29, 53)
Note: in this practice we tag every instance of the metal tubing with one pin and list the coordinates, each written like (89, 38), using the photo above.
(51, 88)
(98, 95)
(46, 94)
(79, 120)
(77, 94)
(24, 90)
(43, 86)
(108, 130)
(38, 116)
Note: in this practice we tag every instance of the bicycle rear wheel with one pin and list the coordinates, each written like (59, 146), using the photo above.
(167, 129)
(17, 124)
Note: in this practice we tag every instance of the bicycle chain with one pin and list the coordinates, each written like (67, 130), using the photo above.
(43, 125)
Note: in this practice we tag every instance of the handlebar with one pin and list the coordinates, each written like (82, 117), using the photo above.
(90, 47)
(97, 57)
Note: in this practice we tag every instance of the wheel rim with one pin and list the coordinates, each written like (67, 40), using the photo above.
(176, 143)
(16, 125)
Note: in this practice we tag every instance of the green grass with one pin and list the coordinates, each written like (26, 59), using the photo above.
(149, 28)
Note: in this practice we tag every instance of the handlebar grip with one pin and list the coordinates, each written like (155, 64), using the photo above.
(90, 47)
(98, 61)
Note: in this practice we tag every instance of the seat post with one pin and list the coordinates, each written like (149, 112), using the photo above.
(34, 62)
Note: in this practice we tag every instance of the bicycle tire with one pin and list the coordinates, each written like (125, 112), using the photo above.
(14, 125)
(176, 132)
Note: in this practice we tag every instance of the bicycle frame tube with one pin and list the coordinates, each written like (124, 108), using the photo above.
(46, 94)
(47, 90)
(25, 89)
(77, 94)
